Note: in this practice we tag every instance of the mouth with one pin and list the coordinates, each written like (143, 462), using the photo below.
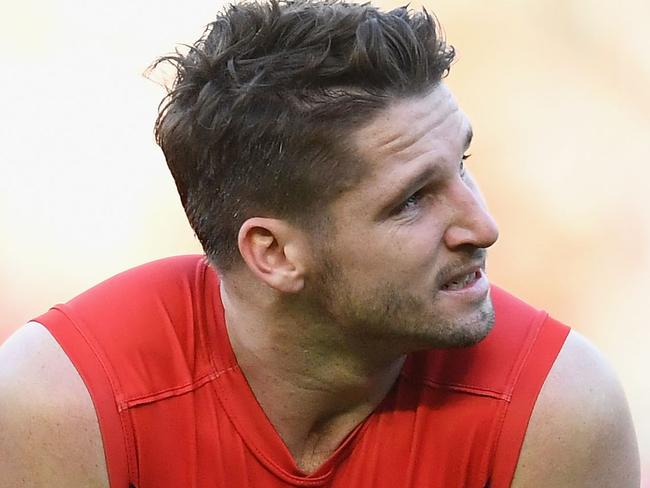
(463, 281)
(470, 286)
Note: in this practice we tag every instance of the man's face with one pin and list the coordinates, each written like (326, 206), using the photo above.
(405, 263)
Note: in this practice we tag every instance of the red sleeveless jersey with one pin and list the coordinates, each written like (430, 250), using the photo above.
(175, 410)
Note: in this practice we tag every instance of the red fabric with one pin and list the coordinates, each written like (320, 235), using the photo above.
(175, 409)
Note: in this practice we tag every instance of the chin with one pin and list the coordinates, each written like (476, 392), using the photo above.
(457, 332)
(467, 337)
(473, 330)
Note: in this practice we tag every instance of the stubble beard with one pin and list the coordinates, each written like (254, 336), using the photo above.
(385, 317)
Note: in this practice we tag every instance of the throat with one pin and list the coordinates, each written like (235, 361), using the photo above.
(310, 464)
(318, 448)
(314, 424)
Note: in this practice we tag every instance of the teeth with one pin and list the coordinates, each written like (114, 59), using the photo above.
(462, 283)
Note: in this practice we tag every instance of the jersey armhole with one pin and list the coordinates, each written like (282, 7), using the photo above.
(94, 375)
(538, 363)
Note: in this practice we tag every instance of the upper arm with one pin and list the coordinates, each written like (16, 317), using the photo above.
(580, 433)
(49, 434)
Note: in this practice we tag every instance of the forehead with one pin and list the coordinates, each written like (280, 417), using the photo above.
(410, 142)
(430, 123)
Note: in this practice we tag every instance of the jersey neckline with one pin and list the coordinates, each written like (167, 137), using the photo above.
(245, 412)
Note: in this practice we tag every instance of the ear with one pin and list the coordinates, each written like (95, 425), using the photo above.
(274, 251)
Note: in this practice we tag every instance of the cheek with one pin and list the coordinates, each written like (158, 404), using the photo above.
(412, 250)
(423, 239)
(409, 258)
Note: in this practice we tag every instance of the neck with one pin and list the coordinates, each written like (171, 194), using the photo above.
(314, 385)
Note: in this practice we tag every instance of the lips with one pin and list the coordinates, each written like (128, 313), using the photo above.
(457, 275)
(462, 281)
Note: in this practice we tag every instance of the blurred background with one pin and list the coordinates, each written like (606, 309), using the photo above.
(558, 92)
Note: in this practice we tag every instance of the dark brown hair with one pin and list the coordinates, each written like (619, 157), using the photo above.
(255, 123)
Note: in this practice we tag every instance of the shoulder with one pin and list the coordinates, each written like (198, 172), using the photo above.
(165, 284)
(142, 333)
(167, 277)
(133, 302)
(580, 433)
(49, 434)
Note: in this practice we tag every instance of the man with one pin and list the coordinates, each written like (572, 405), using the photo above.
(342, 331)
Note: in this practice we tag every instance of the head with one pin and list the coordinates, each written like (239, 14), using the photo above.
(277, 132)
(257, 119)
(406, 257)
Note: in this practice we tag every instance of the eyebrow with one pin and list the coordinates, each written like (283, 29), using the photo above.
(428, 174)
(418, 180)
(410, 186)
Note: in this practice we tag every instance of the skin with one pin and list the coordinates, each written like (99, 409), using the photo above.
(337, 320)
(321, 331)
(421, 211)
(49, 435)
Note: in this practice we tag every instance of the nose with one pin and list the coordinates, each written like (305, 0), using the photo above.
(471, 223)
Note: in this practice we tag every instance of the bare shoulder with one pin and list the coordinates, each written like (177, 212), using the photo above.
(49, 434)
(580, 433)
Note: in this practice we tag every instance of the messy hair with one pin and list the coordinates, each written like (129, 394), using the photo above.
(257, 120)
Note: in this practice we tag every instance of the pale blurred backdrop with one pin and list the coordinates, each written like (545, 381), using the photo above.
(558, 92)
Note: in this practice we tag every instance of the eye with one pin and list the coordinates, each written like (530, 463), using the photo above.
(411, 203)
(462, 164)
